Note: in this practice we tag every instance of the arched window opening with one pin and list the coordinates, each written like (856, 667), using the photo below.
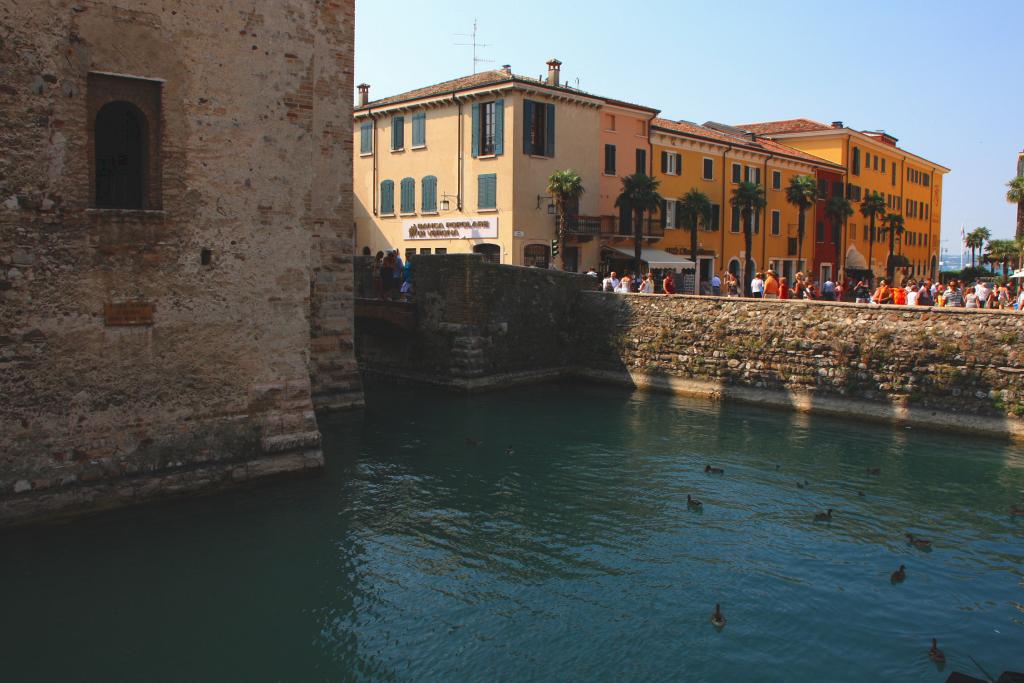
(491, 252)
(121, 137)
(536, 255)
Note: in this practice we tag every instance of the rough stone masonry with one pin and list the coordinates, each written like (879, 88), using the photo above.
(175, 244)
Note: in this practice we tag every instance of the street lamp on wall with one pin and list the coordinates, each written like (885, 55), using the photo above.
(445, 201)
(551, 202)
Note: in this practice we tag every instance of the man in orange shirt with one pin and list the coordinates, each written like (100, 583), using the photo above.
(771, 286)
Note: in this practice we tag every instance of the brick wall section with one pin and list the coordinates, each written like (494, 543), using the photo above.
(943, 367)
(255, 167)
(476, 321)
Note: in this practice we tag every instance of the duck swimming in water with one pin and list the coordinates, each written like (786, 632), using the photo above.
(509, 451)
(718, 619)
(935, 654)
(470, 441)
(823, 516)
(874, 470)
(922, 543)
(708, 469)
(803, 485)
(899, 576)
(693, 503)
(1014, 510)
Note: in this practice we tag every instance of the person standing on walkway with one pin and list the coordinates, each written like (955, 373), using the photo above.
(610, 283)
(732, 286)
(783, 288)
(757, 286)
(668, 285)
(861, 293)
(771, 286)
(716, 285)
(882, 295)
(647, 286)
(952, 296)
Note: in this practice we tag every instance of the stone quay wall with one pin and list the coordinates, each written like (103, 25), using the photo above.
(183, 345)
(478, 324)
(943, 368)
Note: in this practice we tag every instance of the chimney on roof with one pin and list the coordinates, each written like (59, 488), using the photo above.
(752, 135)
(554, 71)
(364, 94)
(837, 124)
(507, 68)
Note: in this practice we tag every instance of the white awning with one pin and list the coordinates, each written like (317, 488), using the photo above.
(855, 260)
(657, 258)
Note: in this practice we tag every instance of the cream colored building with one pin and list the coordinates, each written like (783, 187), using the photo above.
(462, 166)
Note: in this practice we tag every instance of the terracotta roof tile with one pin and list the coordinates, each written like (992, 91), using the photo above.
(761, 144)
(787, 126)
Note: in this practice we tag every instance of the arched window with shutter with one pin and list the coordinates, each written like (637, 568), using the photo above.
(429, 194)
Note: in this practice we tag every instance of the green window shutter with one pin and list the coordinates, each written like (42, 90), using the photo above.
(475, 129)
(366, 138)
(398, 132)
(408, 195)
(429, 193)
(419, 129)
(499, 127)
(487, 191)
(387, 197)
(549, 138)
(527, 124)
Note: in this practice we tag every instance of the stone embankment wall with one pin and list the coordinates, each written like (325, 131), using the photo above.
(185, 344)
(946, 368)
(478, 324)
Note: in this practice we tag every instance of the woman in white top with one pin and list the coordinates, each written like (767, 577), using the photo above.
(912, 294)
(647, 286)
(623, 287)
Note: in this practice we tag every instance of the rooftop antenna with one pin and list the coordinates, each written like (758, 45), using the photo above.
(475, 45)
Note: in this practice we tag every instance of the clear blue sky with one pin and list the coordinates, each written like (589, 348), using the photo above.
(944, 77)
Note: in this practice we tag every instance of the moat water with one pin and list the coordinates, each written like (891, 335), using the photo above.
(421, 557)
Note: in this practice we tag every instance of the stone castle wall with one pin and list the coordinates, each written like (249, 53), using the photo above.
(477, 323)
(171, 348)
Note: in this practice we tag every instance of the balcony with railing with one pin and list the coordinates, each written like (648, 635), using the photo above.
(608, 226)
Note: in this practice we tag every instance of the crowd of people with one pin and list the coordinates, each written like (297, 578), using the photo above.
(769, 285)
(392, 278)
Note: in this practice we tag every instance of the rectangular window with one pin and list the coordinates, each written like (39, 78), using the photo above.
(874, 163)
(641, 161)
(538, 128)
(409, 253)
(757, 176)
(408, 195)
(776, 222)
(387, 197)
(397, 133)
(428, 194)
(867, 159)
(366, 138)
(709, 169)
(822, 188)
(419, 129)
(609, 159)
(609, 122)
(865, 232)
(737, 173)
(441, 251)
(671, 163)
(735, 226)
(716, 217)
(487, 191)
(486, 128)
(894, 174)
(776, 180)
(927, 180)
(883, 165)
(856, 161)
(425, 251)
(837, 188)
(670, 213)
(819, 234)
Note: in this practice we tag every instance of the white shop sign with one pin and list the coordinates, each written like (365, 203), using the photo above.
(451, 229)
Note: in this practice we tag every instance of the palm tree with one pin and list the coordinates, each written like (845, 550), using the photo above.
(976, 239)
(639, 195)
(1015, 195)
(694, 207)
(566, 187)
(893, 223)
(1003, 251)
(748, 198)
(801, 192)
(838, 209)
(872, 208)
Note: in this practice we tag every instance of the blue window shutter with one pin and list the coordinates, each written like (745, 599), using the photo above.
(527, 124)
(487, 191)
(549, 138)
(499, 127)
(387, 197)
(366, 138)
(429, 194)
(419, 129)
(476, 129)
(408, 195)
(398, 132)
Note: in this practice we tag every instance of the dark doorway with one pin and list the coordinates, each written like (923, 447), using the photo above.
(491, 252)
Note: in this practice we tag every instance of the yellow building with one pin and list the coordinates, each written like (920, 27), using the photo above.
(713, 159)
(911, 185)
(462, 166)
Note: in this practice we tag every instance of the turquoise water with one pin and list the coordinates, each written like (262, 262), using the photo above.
(419, 557)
